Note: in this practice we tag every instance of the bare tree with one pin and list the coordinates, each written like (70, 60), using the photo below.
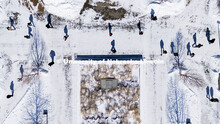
(192, 78)
(175, 103)
(180, 49)
(36, 103)
(37, 50)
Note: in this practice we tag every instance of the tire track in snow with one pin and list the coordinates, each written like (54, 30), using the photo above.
(159, 92)
(68, 85)
(8, 114)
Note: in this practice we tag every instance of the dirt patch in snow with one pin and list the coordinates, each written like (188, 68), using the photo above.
(105, 9)
(121, 105)
(38, 4)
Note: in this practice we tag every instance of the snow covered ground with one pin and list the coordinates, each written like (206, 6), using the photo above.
(62, 82)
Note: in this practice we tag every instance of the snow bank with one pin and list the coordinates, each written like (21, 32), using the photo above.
(170, 7)
(2, 14)
(64, 8)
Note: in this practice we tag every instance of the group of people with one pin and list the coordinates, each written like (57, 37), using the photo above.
(49, 25)
(153, 17)
(188, 46)
(210, 92)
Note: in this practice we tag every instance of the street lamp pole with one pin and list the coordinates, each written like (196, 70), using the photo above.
(46, 113)
(218, 33)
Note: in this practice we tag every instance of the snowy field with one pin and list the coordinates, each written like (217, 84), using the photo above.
(163, 95)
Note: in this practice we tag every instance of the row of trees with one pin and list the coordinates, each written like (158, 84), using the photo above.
(176, 106)
(37, 101)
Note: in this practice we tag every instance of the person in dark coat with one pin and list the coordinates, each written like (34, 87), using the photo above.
(12, 23)
(110, 29)
(161, 47)
(49, 25)
(12, 88)
(21, 70)
(188, 49)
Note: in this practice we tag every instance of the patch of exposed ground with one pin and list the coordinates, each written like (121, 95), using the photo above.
(39, 4)
(120, 105)
(188, 2)
(106, 9)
